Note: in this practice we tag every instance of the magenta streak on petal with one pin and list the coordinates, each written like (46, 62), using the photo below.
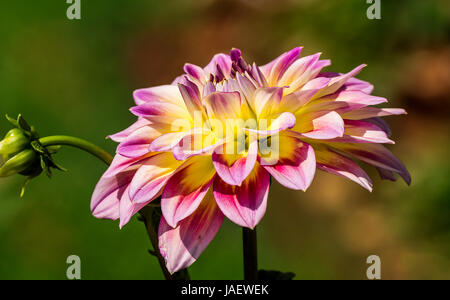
(137, 143)
(245, 205)
(337, 82)
(195, 71)
(121, 163)
(121, 136)
(181, 246)
(378, 156)
(295, 172)
(157, 108)
(334, 163)
(240, 169)
(365, 132)
(128, 208)
(354, 84)
(107, 194)
(178, 203)
(151, 177)
(283, 62)
(371, 112)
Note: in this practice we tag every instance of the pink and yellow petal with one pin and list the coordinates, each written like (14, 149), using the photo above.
(151, 176)
(105, 200)
(376, 155)
(334, 163)
(186, 189)
(320, 125)
(246, 204)
(182, 246)
(234, 168)
(372, 112)
(122, 135)
(295, 165)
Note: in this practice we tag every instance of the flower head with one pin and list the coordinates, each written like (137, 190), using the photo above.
(209, 143)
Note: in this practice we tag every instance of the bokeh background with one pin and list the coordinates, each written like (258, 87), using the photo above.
(77, 77)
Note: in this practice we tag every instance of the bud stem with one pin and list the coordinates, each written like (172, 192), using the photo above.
(62, 140)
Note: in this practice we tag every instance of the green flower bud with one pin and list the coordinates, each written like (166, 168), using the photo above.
(21, 153)
(14, 142)
(20, 162)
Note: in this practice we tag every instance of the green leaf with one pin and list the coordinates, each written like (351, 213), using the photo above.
(23, 124)
(12, 121)
(38, 147)
(53, 149)
(45, 167)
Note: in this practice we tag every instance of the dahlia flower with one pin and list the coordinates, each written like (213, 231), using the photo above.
(209, 143)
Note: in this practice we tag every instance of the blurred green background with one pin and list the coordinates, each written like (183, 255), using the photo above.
(77, 77)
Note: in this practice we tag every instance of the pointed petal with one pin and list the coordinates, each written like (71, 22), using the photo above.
(363, 132)
(371, 112)
(258, 75)
(382, 124)
(337, 164)
(246, 86)
(186, 189)
(151, 176)
(354, 84)
(296, 164)
(294, 101)
(162, 112)
(245, 205)
(106, 197)
(167, 141)
(195, 71)
(163, 93)
(208, 89)
(276, 68)
(376, 155)
(320, 125)
(128, 208)
(284, 121)
(181, 246)
(222, 61)
(121, 136)
(191, 97)
(235, 168)
(343, 102)
(337, 82)
(197, 142)
(266, 101)
(137, 143)
(121, 163)
(298, 68)
(223, 105)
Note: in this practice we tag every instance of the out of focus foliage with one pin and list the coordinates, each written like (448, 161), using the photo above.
(77, 77)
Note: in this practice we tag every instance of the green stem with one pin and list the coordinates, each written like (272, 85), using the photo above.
(250, 254)
(60, 140)
(151, 216)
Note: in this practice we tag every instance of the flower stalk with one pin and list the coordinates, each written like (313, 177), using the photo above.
(249, 242)
(151, 216)
(62, 140)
